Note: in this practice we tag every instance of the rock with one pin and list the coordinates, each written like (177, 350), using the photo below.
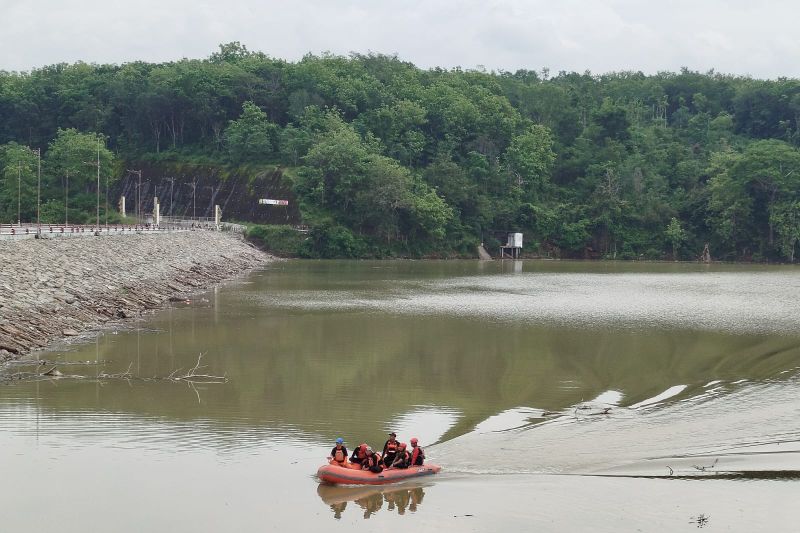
(61, 287)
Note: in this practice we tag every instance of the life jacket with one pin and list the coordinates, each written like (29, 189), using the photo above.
(373, 460)
(404, 457)
(417, 454)
(338, 455)
(358, 456)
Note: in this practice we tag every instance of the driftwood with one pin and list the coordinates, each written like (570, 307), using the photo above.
(193, 377)
(704, 468)
(48, 370)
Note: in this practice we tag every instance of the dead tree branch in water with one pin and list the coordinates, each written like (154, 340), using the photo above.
(52, 373)
(122, 375)
(598, 410)
(709, 467)
(193, 377)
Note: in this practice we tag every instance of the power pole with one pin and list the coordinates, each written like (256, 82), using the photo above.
(214, 191)
(98, 185)
(39, 191)
(19, 192)
(66, 202)
(97, 164)
(171, 187)
(106, 201)
(138, 190)
(194, 188)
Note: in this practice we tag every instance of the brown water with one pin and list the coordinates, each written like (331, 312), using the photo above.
(547, 377)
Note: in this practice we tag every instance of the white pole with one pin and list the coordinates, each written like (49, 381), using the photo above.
(66, 201)
(19, 191)
(39, 191)
(97, 228)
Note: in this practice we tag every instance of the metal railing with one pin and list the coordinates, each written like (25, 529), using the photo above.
(60, 229)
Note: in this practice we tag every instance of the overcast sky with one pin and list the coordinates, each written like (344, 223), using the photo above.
(759, 38)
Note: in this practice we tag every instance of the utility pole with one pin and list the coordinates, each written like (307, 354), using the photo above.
(138, 191)
(194, 188)
(107, 201)
(214, 191)
(66, 202)
(171, 187)
(98, 184)
(39, 191)
(19, 192)
(97, 164)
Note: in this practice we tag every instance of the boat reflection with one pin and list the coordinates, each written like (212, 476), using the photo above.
(371, 499)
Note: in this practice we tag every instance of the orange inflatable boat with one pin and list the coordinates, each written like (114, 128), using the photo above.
(353, 475)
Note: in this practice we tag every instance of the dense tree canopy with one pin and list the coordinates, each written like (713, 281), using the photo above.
(387, 158)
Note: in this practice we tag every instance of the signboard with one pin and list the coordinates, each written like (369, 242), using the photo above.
(267, 201)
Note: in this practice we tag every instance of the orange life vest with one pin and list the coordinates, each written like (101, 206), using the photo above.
(404, 457)
(417, 453)
(372, 460)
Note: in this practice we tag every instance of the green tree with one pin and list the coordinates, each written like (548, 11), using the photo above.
(529, 159)
(75, 154)
(745, 189)
(676, 235)
(18, 188)
(252, 137)
(785, 218)
(431, 214)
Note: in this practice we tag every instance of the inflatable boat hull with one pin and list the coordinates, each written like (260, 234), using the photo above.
(340, 475)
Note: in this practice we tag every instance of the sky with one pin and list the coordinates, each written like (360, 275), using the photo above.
(757, 38)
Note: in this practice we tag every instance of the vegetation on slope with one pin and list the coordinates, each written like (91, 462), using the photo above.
(388, 159)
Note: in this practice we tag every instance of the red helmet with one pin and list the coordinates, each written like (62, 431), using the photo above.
(402, 445)
(414, 440)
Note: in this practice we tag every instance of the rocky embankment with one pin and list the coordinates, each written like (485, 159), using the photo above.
(52, 289)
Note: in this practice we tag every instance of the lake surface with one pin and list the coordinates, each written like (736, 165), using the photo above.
(556, 395)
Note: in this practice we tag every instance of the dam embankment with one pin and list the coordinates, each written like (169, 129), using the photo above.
(53, 289)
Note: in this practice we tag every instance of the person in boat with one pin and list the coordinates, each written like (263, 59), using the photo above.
(402, 459)
(390, 449)
(417, 453)
(339, 453)
(359, 454)
(372, 462)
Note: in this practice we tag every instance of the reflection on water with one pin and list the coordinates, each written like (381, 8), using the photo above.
(565, 367)
(736, 301)
(371, 499)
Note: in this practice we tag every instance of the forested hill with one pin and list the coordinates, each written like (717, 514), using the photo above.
(385, 158)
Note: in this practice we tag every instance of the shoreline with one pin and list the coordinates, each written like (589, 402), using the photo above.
(53, 291)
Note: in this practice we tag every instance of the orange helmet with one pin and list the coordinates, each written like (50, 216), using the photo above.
(414, 440)
(363, 448)
(402, 445)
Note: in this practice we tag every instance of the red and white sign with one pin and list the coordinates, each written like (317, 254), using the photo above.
(267, 201)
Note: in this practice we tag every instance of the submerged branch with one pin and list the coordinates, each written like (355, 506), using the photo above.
(52, 373)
